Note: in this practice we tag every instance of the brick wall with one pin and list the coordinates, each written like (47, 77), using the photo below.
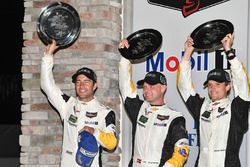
(96, 47)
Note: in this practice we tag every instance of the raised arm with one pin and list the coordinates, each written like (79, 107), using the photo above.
(126, 84)
(53, 92)
(239, 76)
(184, 81)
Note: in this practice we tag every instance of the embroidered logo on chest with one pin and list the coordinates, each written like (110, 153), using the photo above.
(72, 118)
(206, 114)
(142, 121)
(91, 114)
(162, 117)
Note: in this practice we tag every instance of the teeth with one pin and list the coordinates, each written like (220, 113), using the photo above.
(82, 90)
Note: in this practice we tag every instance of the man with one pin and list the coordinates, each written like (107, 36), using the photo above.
(222, 122)
(159, 135)
(83, 113)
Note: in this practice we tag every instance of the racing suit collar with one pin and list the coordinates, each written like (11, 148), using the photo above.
(219, 103)
(157, 107)
(85, 103)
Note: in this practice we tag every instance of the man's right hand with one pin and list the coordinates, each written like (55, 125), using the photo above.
(227, 41)
(188, 48)
(51, 48)
(123, 43)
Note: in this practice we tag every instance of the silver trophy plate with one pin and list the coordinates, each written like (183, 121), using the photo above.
(209, 35)
(58, 21)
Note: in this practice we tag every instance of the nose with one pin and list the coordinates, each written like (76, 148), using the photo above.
(212, 87)
(82, 84)
(146, 89)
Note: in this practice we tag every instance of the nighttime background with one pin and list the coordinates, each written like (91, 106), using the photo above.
(12, 12)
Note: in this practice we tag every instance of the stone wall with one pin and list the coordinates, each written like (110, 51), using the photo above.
(96, 47)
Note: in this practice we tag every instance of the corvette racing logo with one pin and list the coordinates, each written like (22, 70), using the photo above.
(187, 7)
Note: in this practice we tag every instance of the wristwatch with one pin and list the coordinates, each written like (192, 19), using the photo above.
(230, 54)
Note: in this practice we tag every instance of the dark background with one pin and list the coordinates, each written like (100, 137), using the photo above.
(12, 13)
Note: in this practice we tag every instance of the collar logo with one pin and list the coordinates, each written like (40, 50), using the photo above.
(187, 7)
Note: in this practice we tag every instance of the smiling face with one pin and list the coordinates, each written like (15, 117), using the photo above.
(85, 88)
(217, 90)
(154, 94)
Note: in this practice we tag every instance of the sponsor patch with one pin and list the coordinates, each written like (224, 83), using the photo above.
(147, 111)
(153, 108)
(222, 114)
(220, 110)
(222, 150)
(183, 152)
(206, 114)
(69, 152)
(76, 110)
(72, 118)
(143, 119)
(160, 124)
(91, 114)
(91, 122)
(162, 117)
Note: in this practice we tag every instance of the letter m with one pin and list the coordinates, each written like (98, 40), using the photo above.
(159, 61)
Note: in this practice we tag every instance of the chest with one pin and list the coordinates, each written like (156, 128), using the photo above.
(78, 117)
(153, 121)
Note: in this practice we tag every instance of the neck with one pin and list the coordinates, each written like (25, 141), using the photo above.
(157, 103)
(85, 99)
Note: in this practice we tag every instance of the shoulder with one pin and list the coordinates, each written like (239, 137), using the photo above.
(173, 111)
(104, 107)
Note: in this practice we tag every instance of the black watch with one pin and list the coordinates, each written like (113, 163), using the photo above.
(230, 54)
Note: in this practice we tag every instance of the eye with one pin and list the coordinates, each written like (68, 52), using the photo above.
(77, 82)
(87, 81)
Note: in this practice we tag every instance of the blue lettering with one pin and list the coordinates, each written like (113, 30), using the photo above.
(154, 65)
(199, 62)
(192, 139)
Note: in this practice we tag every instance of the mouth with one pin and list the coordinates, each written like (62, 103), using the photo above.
(82, 90)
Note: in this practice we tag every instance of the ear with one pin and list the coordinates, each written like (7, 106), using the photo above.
(95, 86)
(228, 87)
(163, 88)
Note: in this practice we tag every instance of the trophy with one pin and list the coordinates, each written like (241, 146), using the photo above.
(209, 35)
(58, 21)
(142, 43)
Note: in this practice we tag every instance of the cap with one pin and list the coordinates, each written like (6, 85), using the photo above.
(85, 71)
(218, 75)
(153, 78)
(87, 149)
